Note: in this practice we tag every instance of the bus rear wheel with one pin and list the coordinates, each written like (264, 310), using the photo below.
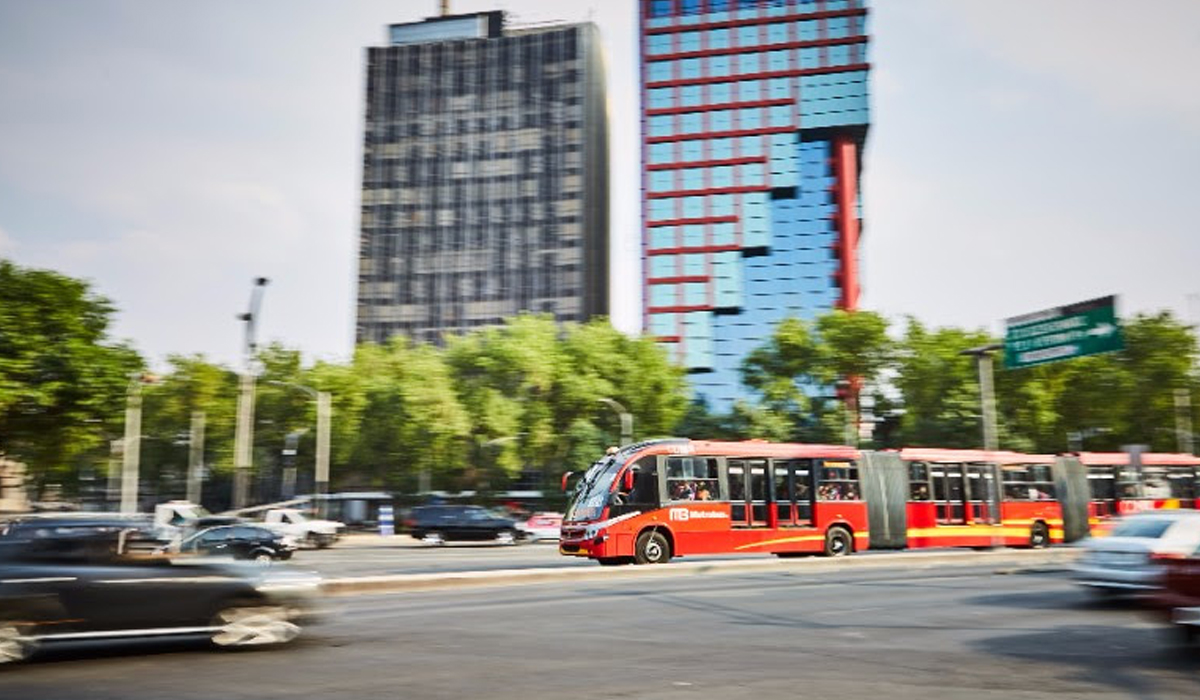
(652, 548)
(838, 542)
(1039, 536)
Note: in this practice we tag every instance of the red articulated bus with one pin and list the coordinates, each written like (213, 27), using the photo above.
(1163, 481)
(649, 502)
(973, 498)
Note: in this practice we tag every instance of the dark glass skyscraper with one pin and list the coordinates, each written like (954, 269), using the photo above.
(754, 116)
(485, 177)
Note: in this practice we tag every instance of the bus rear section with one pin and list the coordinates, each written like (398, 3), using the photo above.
(976, 498)
(650, 502)
(1120, 487)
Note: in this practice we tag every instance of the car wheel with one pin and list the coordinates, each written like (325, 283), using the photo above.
(506, 537)
(14, 645)
(1039, 536)
(249, 624)
(434, 538)
(652, 548)
(263, 557)
(838, 542)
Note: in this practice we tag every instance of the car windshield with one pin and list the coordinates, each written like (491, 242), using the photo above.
(591, 494)
(1146, 528)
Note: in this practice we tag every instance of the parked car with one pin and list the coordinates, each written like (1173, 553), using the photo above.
(95, 585)
(292, 522)
(42, 525)
(1122, 561)
(542, 526)
(240, 542)
(440, 524)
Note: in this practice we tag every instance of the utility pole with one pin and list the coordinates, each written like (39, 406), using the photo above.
(131, 461)
(195, 457)
(987, 391)
(243, 449)
(1183, 420)
(324, 418)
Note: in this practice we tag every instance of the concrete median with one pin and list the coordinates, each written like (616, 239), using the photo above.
(1006, 561)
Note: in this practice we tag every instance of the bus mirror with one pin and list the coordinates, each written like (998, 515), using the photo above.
(566, 477)
(627, 481)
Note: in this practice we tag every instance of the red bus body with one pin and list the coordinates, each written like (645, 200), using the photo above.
(972, 498)
(745, 514)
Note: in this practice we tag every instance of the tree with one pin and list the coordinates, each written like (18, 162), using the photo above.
(62, 381)
(939, 388)
(795, 371)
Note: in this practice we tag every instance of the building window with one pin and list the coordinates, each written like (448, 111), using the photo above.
(658, 44)
(660, 8)
(749, 63)
(718, 65)
(661, 98)
(689, 41)
(661, 152)
(689, 96)
(748, 36)
(718, 39)
(720, 93)
(749, 91)
(658, 71)
(693, 150)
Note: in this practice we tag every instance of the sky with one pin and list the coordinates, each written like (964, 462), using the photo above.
(1022, 155)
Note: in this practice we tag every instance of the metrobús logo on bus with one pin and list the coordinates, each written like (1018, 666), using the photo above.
(685, 514)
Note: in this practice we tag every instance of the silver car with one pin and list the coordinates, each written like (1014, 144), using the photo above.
(1121, 562)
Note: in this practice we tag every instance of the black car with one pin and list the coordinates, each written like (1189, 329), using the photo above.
(95, 585)
(440, 524)
(240, 542)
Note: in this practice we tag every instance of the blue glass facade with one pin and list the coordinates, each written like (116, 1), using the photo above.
(754, 114)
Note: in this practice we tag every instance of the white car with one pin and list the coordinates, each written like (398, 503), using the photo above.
(542, 526)
(1121, 562)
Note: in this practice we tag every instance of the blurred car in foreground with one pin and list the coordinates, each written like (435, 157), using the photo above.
(542, 526)
(1179, 597)
(440, 524)
(1124, 561)
(99, 585)
(249, 542)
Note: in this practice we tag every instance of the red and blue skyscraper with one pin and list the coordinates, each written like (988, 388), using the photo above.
(754, 117)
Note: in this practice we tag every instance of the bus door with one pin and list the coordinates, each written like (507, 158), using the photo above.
(948, 493)
(748, 489)
(982, 493)
(1103, 484)
(1182, 482)
(793, 491)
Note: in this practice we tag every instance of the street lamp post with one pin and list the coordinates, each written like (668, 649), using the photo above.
(132, 444)
(324, 401)
(244, 437)
(987, 392)
(625, 417)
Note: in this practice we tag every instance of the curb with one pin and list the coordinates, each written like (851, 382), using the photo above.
(1052, 560)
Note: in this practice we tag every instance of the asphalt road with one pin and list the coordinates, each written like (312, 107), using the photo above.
(956, 632)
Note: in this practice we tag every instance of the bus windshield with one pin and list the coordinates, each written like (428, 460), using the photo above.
(591, 495)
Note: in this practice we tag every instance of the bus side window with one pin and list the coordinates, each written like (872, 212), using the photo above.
(918, 481)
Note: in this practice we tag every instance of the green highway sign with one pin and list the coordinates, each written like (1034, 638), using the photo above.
(1062, 333)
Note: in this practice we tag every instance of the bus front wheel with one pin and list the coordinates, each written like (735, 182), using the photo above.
(838, 542)
(652, 548)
